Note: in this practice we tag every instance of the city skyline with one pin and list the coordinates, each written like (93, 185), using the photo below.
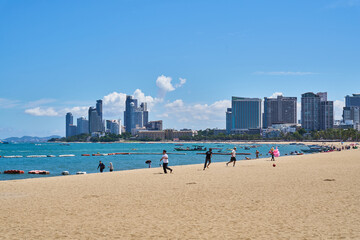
(186, 64)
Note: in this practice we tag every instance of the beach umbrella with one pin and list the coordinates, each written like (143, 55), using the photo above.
(148, 162)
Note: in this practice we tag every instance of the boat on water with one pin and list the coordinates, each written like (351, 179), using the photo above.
(67, 155)
(316, 149)
(194, 148)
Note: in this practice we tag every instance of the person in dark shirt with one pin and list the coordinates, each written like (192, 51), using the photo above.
(208, 158)
(101, 166)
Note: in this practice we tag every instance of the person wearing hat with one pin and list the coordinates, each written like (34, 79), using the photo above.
(233, 157)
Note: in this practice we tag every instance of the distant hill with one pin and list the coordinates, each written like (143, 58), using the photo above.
(26, 139)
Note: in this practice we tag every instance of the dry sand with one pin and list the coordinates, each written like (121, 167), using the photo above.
(304, 197)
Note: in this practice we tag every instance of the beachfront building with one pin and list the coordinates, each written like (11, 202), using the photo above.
(352, 101)
(351, 111)
(134, 116)
(151, 134)
(113, 126)
(68, 122)
(280, 110)
(168, 134)
(326, 115)
(96, 118)
(245, 115)
(154, 125)
(82, 126)
(317, 113)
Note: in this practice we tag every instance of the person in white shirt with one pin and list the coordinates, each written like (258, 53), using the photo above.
(165, 160)
(233, 157)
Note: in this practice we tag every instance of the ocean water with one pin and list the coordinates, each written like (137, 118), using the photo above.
(56, 165)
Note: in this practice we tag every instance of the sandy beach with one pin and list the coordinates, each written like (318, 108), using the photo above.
(313, 196)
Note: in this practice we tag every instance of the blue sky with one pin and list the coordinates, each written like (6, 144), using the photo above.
(186, 58)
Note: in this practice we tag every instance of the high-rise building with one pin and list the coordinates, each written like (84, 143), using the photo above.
(113, 126)
(279, 110)
(154, 125)
(352, 101)
(95, 118)
(134, 116)
(68, 123)
(323, 96)
(310, 111)
(326, 115)
(245, 113)
(315, 113)
(351, 111)
(228, 120)
(351, 114)
(72, 130)
(82, 126)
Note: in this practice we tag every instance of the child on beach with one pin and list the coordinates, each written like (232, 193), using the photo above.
(111, 167)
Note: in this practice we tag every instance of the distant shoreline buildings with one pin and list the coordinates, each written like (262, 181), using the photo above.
(246, 116)
(280, 114)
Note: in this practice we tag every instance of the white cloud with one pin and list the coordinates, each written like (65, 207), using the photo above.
(182, 82)
(164, 84)
(196, 114)
(344, 4)
(76, 111)
(338, 109)
(49, 112)
(39, 102)
(282, 73)
(276, 94)
(7, 103)
(114, 104)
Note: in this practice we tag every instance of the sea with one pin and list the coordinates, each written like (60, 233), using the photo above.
(56, 165)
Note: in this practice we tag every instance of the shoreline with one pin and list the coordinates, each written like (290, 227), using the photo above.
(312, 142)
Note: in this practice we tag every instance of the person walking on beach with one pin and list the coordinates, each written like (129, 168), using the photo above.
(233, 157)
(165, 160)
(111, 167)
(101, 166)
(257, 153)
(208, 158)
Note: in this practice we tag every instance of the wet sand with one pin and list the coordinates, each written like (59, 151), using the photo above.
(313, 196)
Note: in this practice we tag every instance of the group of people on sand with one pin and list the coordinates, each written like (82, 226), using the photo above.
(208, 155)
(101, 166)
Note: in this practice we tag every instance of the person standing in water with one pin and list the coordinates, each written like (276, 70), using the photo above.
(208, 158)
(101, 166)
(233, 157)
(257, 154)
(111, 167)
(165, 160)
